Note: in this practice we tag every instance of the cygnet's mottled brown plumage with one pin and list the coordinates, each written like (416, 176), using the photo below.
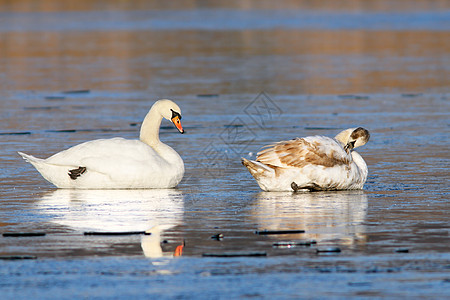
(312, 163)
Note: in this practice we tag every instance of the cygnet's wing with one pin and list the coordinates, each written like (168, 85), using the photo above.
(299, 152)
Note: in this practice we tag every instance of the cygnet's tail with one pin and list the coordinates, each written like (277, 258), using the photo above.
(257, 169)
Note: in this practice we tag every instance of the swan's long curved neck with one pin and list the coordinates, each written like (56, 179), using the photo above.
(150, 128)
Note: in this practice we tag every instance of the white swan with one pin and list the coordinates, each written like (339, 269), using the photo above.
(312, 163)
(118, 163)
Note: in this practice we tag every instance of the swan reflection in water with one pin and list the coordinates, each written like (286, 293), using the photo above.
(152, 211)
(335, 217)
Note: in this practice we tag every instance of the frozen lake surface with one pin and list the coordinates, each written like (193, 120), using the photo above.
(244, 77)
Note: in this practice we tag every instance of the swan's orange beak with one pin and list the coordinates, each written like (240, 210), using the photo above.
(177, 122)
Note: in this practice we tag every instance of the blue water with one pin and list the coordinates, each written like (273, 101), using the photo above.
(223, 20)
(205, 278)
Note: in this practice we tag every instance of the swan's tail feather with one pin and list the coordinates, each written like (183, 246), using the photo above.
(30, 158)
(257, 169)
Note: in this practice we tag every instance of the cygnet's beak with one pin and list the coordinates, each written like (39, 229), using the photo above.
(349, 146)
(177, 122)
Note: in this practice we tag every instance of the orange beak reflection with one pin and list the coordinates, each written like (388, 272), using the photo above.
(178, 251)
(177, 122)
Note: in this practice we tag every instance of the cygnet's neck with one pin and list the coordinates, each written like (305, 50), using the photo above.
(150, 127)
(359, 161)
